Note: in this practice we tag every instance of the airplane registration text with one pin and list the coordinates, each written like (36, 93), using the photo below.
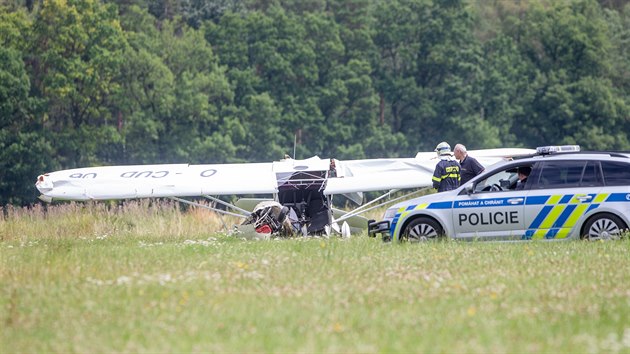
(142, 174)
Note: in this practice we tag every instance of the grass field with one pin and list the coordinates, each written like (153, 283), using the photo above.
(149, 277)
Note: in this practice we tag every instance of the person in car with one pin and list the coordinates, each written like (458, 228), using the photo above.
(522, 172)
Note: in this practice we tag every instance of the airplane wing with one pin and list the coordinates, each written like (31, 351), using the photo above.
(380, 174)
(403, 173)
(183, 180)
(145, 181)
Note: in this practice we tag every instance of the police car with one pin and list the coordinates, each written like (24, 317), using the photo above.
(568, 194)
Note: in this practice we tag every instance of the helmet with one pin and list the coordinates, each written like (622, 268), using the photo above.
(443, 148)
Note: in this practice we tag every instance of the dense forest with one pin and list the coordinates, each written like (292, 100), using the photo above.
(89, 82)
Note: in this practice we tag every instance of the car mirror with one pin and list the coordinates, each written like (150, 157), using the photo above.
(469, 189)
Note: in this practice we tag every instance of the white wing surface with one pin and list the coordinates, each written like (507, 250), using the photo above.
(401, 173)
(381, 174)
(142, 181)
(183, 180)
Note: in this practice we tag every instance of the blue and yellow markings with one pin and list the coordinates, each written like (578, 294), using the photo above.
(556, 219)
(560, 213)
(564, 215)
(619, 197)
(491, 202)
(539, 199)
(440, 205)
(402, 213)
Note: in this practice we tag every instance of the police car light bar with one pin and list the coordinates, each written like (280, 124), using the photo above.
(545, 150)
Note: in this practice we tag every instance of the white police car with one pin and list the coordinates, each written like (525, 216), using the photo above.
(568, 194)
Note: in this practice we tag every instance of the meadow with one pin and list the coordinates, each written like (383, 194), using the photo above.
(152, 277)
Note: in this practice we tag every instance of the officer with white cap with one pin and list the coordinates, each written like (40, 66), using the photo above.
(447, 172)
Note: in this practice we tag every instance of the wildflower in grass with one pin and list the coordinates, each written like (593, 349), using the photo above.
(123, 280)
(337, 327)
(184, 299)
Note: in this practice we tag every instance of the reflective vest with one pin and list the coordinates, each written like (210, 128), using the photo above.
(446, 175)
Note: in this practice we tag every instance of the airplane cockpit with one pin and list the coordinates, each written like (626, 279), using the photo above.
(303, 193)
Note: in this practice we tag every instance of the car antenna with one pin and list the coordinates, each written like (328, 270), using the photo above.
(294, 144)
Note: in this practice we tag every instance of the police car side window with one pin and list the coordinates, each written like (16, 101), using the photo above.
(616, 173)
(561, 174)
(592, 175)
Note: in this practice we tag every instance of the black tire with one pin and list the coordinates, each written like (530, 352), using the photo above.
(283, 214)
(422, 229)
(604, 227)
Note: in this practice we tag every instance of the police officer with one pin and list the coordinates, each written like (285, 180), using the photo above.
(447, 172)
(523, 172)
(470, 167)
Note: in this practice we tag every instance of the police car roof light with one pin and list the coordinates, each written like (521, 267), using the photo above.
(552, 149)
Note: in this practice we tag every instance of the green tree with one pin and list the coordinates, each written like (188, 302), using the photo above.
(429, 74)
(195, 12)
(24, 150)
(176, 99)
(324, 93)
(266, 54)
(505, 89)
(619, 33)
(75, 57)
(576, 98)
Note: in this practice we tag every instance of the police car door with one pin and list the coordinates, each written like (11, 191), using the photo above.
(560, 193)
(491, 209)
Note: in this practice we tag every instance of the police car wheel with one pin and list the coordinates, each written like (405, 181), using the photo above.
(603, 227)
(422, 229)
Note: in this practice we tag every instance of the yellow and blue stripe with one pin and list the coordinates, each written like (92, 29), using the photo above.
(558, 216)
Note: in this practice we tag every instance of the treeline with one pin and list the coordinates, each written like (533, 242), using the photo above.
(210, 81)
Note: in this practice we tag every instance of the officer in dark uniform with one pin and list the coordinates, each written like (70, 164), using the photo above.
(447, 172)
(522, 172)
(470, 166)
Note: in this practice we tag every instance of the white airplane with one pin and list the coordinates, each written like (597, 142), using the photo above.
(300, 191)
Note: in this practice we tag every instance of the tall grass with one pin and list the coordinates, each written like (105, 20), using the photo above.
(145, 277)
(144, 218)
